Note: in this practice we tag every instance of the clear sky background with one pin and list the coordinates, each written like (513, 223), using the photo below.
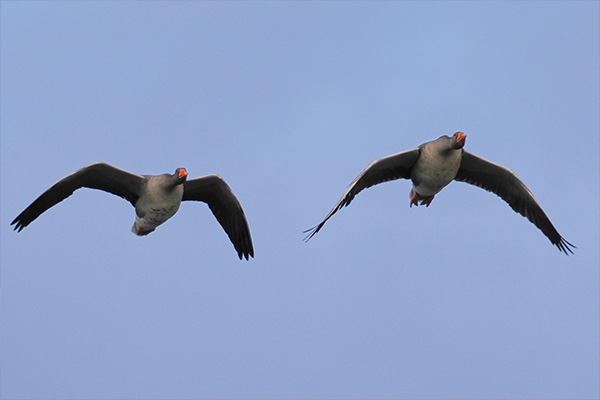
(289, 101)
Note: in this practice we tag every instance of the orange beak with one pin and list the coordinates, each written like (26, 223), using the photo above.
(460, 136)
(182, 173)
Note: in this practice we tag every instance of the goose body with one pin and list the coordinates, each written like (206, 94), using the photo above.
(435, 168)
(157, 206)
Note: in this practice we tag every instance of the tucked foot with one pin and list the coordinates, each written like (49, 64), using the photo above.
(141, 232)
(416, 199)
(427, 200)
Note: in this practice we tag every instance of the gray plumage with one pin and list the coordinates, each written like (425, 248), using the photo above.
(433, 165)
(156, 198)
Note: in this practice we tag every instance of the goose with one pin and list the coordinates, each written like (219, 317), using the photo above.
(435, 164)
(156, 198)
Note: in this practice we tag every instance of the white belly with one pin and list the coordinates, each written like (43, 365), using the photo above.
(431, 174)
(153, 210)
(153, 218)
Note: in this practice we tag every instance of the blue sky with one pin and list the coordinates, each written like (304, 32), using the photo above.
(289, 101)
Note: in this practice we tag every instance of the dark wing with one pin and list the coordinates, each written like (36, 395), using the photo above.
(96, 176)
(503, 182)
(214, 191)
(385, 169)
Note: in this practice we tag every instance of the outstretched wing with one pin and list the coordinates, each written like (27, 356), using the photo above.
(95, 176)
(504, 183)
(214, 191)
(384, 169)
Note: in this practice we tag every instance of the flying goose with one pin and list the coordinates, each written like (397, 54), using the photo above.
(433, 165)
(156, 198)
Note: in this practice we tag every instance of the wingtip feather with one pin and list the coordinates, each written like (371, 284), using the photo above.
(565, 246)
(311, 232)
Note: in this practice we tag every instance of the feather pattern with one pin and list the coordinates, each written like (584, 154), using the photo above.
(506, 184)
(215, 192)
(385, 169)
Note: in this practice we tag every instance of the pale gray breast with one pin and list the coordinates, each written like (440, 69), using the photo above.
(159, 199)
(435, 169)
